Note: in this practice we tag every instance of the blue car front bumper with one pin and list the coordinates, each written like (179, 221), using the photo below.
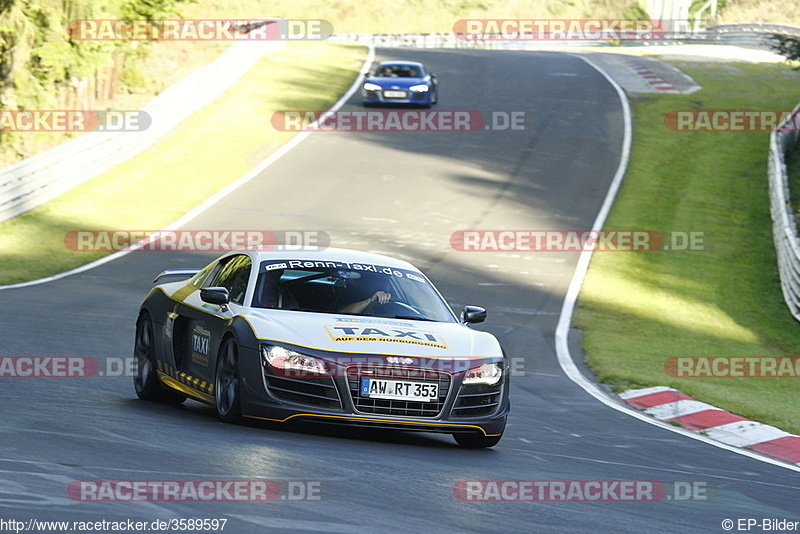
(409, 97)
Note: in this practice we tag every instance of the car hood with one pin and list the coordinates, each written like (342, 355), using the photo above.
(348, 334)
(399, 83)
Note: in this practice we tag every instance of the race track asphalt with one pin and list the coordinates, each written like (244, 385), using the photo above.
(403, 194)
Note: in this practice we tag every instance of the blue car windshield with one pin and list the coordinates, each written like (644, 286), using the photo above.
(397, 71)
(350, 288)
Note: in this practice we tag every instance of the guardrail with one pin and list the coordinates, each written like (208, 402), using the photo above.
(784, 227)
(449, 40)
(35, 180)
(756, 34)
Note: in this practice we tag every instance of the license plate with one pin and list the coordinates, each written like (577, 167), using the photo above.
(394, 94)
(379, 388)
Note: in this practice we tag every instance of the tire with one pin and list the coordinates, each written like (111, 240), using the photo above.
(227, 385)
(145, 381)
(477, 441)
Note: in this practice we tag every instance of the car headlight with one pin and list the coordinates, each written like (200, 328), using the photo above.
(419, 88)
(284, 361)
(372, 87)
(488, 373)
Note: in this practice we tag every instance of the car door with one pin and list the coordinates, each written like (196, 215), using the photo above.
(199, 326)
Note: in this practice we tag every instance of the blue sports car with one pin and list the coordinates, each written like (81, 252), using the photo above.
(400, 82)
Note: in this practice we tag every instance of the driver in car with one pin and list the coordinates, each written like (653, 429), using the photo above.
(381, 297)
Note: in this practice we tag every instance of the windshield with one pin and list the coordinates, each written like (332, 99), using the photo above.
(397, 71)
(348, 288)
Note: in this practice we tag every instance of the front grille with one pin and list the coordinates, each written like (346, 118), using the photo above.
(310, 390)
(477, 399)
(397, 407)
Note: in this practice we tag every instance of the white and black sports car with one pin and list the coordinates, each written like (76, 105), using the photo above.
(334, 336)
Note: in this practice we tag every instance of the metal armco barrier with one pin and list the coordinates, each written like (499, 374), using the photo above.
(753, 35)
(784, 228)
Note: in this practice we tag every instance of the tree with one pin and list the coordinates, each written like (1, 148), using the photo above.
(788, 47)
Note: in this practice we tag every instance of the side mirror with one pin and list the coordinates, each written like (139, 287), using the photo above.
(473, 314)
(215, 295)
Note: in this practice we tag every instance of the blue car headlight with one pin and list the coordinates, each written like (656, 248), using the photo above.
(369, 86)
(421, 88)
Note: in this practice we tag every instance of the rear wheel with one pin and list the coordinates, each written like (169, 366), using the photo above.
(226, 386)
(145, 381)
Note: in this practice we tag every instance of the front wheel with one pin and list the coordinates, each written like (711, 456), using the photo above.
(145, 381)
(477, 441)
(226, 386)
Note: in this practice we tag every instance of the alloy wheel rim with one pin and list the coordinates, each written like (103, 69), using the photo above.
(143, 362)
(226, 381)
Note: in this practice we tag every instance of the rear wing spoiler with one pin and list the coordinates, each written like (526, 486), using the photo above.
(175, 273)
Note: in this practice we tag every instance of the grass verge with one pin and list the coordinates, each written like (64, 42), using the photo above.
(638, 309)
(209, 150)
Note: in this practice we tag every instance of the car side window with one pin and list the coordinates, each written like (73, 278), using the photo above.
(233, 275)
(212, 276)
(201, 277)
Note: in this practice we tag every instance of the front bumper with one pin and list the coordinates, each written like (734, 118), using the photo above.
(336, 399)
(378, 97)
